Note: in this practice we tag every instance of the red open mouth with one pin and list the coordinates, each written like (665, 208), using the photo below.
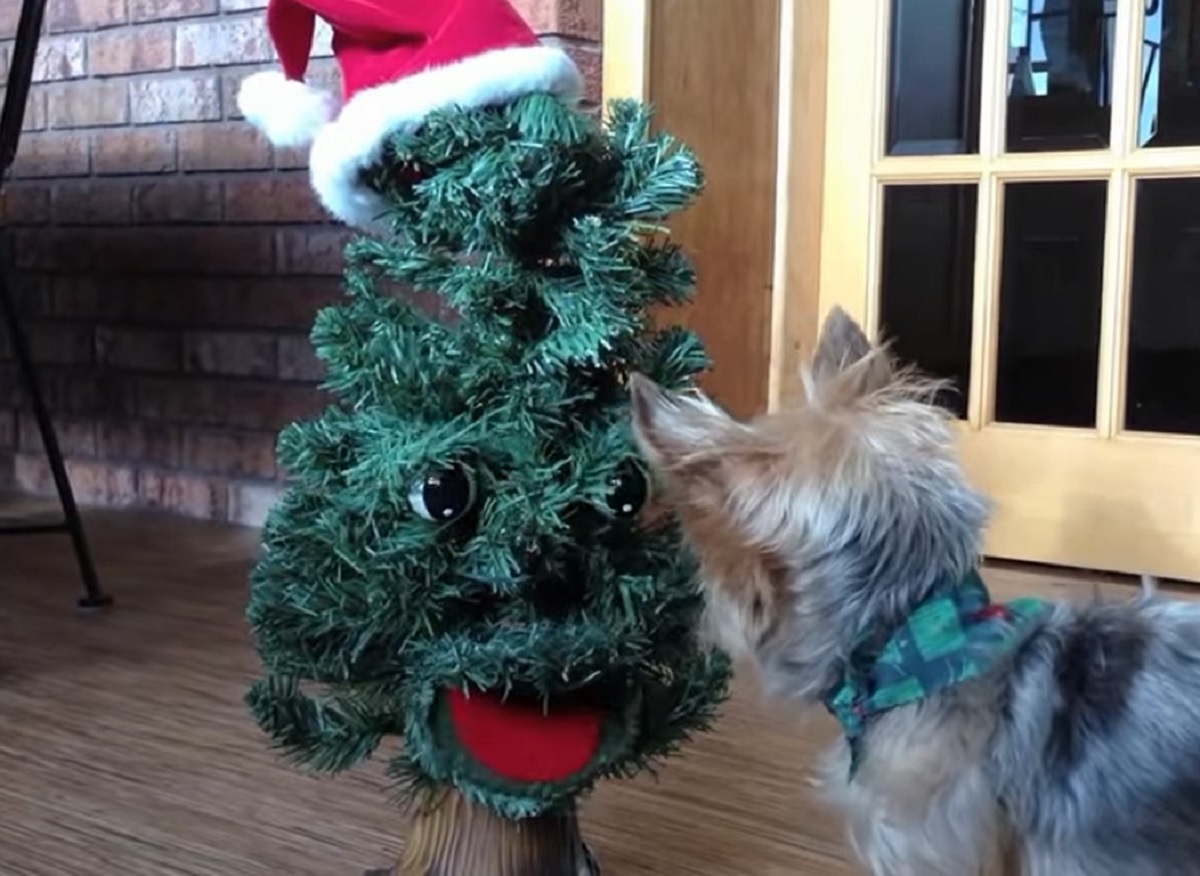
(521, 740)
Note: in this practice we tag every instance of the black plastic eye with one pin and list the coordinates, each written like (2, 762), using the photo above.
(628, 490)
(443, 496)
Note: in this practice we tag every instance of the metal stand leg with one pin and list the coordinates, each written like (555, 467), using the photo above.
(72, 523)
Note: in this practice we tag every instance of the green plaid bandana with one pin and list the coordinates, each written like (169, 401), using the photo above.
(956, 634)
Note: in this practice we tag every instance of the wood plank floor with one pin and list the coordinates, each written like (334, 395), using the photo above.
(125, 748)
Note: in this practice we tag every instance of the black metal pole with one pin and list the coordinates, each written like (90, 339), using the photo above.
(11, 119)
(71, 523)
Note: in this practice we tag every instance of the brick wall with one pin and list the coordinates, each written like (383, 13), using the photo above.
(171, 260)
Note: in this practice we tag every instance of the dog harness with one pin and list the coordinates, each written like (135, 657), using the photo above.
(957, 633)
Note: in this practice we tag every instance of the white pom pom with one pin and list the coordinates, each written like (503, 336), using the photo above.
(288, 112)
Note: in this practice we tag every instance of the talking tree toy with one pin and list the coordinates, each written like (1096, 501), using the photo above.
(461, 561)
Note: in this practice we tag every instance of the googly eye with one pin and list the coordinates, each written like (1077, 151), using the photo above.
(443, 496)
(628, 490)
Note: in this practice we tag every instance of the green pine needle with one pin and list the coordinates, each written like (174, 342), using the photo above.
(491, 334)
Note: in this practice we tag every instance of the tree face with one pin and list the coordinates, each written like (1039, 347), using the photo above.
(462, 559)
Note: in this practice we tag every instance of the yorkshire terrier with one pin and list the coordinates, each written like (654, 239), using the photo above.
(839, 543)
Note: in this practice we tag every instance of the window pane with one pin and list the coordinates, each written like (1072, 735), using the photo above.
(1163, 390)
(1170, 105)
(933, 89)
(1050, 285)
(1060, 55)
(927, 278)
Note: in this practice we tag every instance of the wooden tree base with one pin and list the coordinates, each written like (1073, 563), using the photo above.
(454, 837)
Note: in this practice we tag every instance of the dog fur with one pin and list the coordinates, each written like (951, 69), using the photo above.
(1077, 756)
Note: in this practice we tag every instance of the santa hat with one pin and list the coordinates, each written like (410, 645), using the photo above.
(400, 61)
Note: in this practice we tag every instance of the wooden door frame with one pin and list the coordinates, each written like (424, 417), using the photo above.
(778, 272)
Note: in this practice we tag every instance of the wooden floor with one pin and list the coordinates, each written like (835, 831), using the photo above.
(125, 749)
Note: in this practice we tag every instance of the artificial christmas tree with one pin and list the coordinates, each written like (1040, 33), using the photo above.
(461, 560)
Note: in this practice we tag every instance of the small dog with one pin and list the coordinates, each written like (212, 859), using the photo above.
(1036, 738)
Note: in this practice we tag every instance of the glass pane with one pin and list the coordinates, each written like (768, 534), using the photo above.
(1170, 106)
(926, 280)
(1163, 390)
(1050, 284)
(1060, 57)
(933, 90)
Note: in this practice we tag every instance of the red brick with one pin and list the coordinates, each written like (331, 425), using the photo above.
(189, 495)
(137, 349)
(178, 200)
(59, 58)
(249, 503)
(145, 443)
(31, 473)
(241, 404)
(230, 453)
(91, 203)
(272, 406)
(180, 99)
(35, 111)
(63, 15)
(574, 18)
(71, 391)
(25, 204)
(10, 13)
(233, 250)
(76, 437)
(34, 296)
(291, 157)
(230, 83)
(167, 400)
(144, 301)
(52, 154)
(228, 146)
(144, 151)
(89, 104)
(298, 360)
(93, 482)
(8, 429)
(241, 303)
(224, 41)
(588, 59)
(241, 354)
(51, 249)
(283, 197)
(160, 10)
(211, 250)
(275, 302)
(117, 52)
(312, 250)
(102, 483)
(60, 343)
(147, 251)
(76, 297)
(33, 299)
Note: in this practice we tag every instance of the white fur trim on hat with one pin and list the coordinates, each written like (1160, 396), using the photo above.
(354, 141)
(288, 112)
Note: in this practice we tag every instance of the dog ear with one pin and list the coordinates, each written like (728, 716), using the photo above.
(846, 355)
(841, 343)
(672, 428)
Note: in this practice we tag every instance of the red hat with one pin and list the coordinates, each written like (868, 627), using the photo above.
(400, 60)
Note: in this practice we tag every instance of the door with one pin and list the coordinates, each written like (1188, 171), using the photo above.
(710, 69)
(1011, 193)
